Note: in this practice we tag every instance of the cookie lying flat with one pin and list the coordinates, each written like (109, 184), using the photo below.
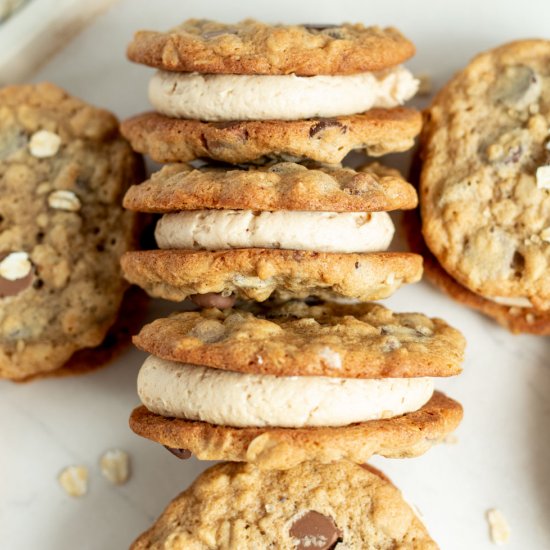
(251, 47)
(485, 179)
(516, 319)
(63, 171)
(378, 131)
(338, 505)
(296, 339)
(279, 186)
(405, 436)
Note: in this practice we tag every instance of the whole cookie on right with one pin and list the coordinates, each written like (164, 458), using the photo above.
(485, 185)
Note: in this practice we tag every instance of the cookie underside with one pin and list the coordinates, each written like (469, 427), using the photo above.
(279, 448)
(258, 273)
(378, 131)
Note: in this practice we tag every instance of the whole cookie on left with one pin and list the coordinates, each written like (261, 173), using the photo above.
(63, 171)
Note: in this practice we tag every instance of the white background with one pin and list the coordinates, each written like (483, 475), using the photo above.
(502, 458)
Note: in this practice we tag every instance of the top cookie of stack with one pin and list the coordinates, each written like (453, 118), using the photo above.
(249, 92)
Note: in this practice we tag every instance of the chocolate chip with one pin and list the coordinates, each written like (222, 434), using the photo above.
(212, 299)
(184, 454)
(314, 27)
(324, 124)
(226, 125)
(517, 86)
(214, 34)
(514, 154)
(315, 531)
(13, 287)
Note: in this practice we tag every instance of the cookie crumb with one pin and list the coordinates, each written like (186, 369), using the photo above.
(64, 200)
(543, 177)
(74, 480)
(498, 526)
(115, 466)
(15, 266)
(44, 144)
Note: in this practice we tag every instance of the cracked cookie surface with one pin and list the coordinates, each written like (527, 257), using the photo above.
(310, 502)
(485, 180)
(297, 339)
(252, 47)
(63, 172)
(280, 186)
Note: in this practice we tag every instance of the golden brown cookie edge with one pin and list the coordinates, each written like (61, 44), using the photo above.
(280, 448)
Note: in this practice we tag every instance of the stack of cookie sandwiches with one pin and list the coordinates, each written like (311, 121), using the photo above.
(485, 183)
(275, 370)
(63, 171)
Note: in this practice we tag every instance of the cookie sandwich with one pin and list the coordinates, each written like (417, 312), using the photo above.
(283, 230)
(485, 185)
(64, 169)
(277, 386)
(250, 91)
(322, 506)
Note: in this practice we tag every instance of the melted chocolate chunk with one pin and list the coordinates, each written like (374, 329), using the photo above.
(314, 27)
(226, 125)
(184, 454)
(212, 299)
(315, 531)
(324, 124)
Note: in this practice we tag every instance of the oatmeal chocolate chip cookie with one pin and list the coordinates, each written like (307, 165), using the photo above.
(279, 186)
(297, 339)
(405, 436)
(378, 131)
(63, 172)
(515, 319)
(311, 506)
(252, 47)
(485, 193)
(260, 273)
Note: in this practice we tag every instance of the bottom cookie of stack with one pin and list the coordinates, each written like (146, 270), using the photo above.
(277, 386)
(311, 506)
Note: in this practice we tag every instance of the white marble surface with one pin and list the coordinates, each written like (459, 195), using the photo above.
(502, 458)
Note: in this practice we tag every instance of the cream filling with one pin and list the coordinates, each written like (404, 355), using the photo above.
(319, 231)
(281, 97)
(236, 399)
(512, 301)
